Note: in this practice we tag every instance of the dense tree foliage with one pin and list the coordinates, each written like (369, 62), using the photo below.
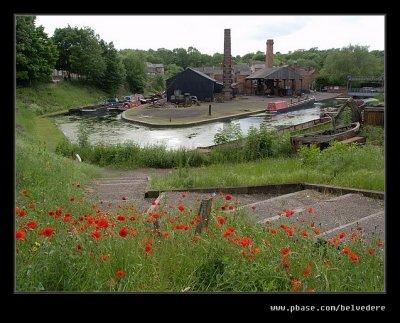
(35, 52)
(136, 74)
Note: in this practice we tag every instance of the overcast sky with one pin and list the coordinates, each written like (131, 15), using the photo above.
(249, 33)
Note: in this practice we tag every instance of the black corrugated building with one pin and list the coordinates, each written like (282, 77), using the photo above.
(193, 82)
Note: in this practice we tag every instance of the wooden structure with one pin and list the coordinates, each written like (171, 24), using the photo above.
(204, 212)
(374, 116)
(372, 86)
(323, 138)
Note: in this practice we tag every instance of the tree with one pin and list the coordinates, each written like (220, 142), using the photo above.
(135, 68)
(171, 70)
(114, 74)
(36, 55)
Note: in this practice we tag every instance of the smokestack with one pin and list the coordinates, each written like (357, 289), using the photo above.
(269, 55)
(227, 66)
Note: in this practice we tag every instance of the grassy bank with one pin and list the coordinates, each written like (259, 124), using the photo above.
(48, 98)
(348, 166)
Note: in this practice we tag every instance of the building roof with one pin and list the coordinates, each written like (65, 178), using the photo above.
(154, 65)
(303, 71)
(204, 75)
(272, 73)
(209, 69)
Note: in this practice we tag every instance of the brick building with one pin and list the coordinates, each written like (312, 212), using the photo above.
(155, 69)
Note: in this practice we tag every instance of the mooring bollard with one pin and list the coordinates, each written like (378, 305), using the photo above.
(204, 212)
(209, 110)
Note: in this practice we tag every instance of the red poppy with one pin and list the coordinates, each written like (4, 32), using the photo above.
(165, 234)
(289, 231)
(229, 231)
(220, 220)
(342, 235)
(304, 233)
(182, 227)
(196, 238)
(228, 197)
(78, 247)
(254, 251)
(148, 248)
(20, 212)
(58, 212)
(307, 270)
(32, 205)
(32, 224)
(96, 234)
(285, 251)
(124, 232)
(20, 235)
(285, 262)
(317, 231)
(134, 232)
(181, 207)
(310, 210)
(104, 258)
(245, 241)
(120, 217)
(132, 218)
(346, 250)
(101, 223)
(288, 212)
(354, 236)
(354, 257)
(120, 273)
(67, 217)
(296, 285)
(273, 231)
(371, 251)
(47, 231)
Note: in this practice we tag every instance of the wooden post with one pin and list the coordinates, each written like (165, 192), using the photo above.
(156, 223)
(204, 212)
(209, 110)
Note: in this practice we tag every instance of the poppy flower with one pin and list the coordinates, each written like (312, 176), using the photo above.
(310, 210)
(32, 224)
(196, 238)
(124, 232)
(104, 258)
(307, 270)
(254, 251)
(20, 212)
(229, 231)
(78, 247)
(67, 217)
(220, 220)
(354, 257)
(304, 233)
(181, 208)
(285, 262)
(285, 251)
(32, 205)
(245, 241)
(96, 234)
(354, 236)
(134, 232)
(20, 235)
(148, 248)
(120, 217)
(228, 197)
(273, 231)
(371, 251)
(165, 234)
(120, 273)
(342, 235)
(296, 285)
(58, 212)
(182, 227)
(317, 231)
(346, 250)
(47, 231)
(101, 223)
(288, 213)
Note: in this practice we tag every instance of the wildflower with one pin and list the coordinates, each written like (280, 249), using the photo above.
(342, 235)
(32, 205)
(243, 252)
(134, 232)
(220, 220)
(165, 234)
(96, 234)
(273, 231)
(120, 217)
(304, 233)
(228, 197)
(296, 285)
(101, 223)
(181, 208)
(354, 236)
(132, 218)
(148, 248)
(317, 231)
(289, 231)
(20, 235)
(229, 231)
(288, 213)
(310, 210)
(254, 251)
(196, 238)
(245, 241)
(285, 251)
(354, 257)
(47, 231)
(371, 251)
(334, 241)
(78, 247)
(32, 224)
(67, 217)
(20, 212)
(104, 258)
(182, 227)
(307, 270)
(346, 250)
(58, 212)
(285, 262)
(120, 273)
(223, 207)
(124, 232)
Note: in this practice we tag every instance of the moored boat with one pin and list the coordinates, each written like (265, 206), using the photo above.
(322, 138)
(284, 106)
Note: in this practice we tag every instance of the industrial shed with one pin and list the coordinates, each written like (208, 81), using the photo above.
(194, 82)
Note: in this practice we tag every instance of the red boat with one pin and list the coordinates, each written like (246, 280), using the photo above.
(284, 106)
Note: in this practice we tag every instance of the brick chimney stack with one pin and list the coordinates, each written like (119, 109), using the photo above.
(269, 55)
(227, 66)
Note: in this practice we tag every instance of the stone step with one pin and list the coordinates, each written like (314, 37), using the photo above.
(270, 209)
(336, 212)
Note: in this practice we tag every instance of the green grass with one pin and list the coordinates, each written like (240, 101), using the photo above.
(48, 98)
(361, 167)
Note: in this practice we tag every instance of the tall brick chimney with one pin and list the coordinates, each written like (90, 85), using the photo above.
(227, 66)
(269, 55)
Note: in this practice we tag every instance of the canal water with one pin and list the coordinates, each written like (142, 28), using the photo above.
(111, 129)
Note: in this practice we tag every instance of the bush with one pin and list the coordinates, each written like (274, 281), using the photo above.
(228, 133)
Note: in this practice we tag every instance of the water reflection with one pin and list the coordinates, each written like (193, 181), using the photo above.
(110, 129)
